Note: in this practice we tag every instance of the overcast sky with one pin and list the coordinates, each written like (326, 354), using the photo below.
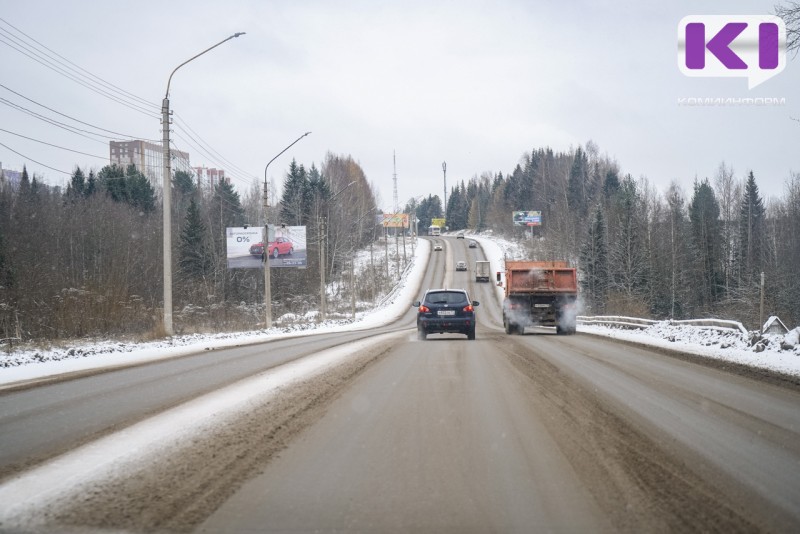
(473, 84)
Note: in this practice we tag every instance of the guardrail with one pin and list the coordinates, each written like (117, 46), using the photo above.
(616, 320)
(638, 323)
(396, 288)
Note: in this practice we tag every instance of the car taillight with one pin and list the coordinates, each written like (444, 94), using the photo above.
(424, 309)
(469, 308)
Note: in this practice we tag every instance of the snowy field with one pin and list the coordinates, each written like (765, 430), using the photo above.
(33, 363)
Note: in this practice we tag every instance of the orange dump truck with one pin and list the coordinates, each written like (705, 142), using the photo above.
(539, 293)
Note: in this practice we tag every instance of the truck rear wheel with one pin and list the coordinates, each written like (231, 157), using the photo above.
(565, 330)
(513, 328)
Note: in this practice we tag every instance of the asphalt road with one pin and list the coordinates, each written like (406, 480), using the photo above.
(504, 433)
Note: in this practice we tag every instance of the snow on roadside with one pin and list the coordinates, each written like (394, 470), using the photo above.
(710, 343)
(31, 364)
(707, 342)
(26, 496)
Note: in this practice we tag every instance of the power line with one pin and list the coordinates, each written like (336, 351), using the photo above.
(69, 128)
(183, 124)
(33, 160)
(69, 117)
(72, 77)
(205, 152)
(202, 151)
(101, 80)
(48, 60)
(52, 145)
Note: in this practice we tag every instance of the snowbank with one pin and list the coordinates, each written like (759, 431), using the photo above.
(31, 364)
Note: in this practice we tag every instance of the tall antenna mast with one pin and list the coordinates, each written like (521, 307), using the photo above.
(444, 171)
(394, 165)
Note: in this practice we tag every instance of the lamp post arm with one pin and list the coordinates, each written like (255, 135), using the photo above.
(169, 81)
(281, 152)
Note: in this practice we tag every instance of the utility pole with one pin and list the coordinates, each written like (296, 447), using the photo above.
(265, 255)
(167, 192)
(761, 309)
(352, 285)
(322, 267)
(396, 205)
(386, 242)
(167, 209)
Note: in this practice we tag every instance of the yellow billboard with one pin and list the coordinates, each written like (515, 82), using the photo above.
(395, 220)
(438, 222)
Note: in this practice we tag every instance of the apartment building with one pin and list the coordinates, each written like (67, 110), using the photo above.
(148, 158)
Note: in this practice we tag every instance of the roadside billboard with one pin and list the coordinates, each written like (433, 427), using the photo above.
(287, 247)
(527, 218)
(438, 222)
(394, 220)
(238, 242)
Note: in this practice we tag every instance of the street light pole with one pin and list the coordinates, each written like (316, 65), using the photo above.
(265, 242)
(167, 193)
(444, 207)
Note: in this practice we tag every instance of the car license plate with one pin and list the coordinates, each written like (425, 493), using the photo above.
(445, 312)
(541, 305)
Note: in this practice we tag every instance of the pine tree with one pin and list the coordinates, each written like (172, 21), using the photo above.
(184, 183)
(678, 253)
(594, 263)
(91, 185)
(611, 184)
(24, 183)
(429, 208)
(226, 208)
(296, 196)
(318, 191)
(752, 254)
(141, 194)
(111, 179)
(457, 208)
(6, 273)
(628, 265)
(77, 185)
(706, 237)
(194, 259)
(577, 184)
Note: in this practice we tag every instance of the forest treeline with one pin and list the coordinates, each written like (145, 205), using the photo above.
(643, 252)
(87, 260)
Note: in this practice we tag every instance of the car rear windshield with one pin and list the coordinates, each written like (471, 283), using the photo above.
(445, 297)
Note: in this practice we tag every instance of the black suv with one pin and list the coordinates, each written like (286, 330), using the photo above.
(446, 311)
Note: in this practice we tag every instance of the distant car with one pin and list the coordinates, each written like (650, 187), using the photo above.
(473, 244)
(437, 248)
(444, 311)
(460, 236)
(461, 266)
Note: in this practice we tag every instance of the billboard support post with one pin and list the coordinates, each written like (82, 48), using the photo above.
(265, 256)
